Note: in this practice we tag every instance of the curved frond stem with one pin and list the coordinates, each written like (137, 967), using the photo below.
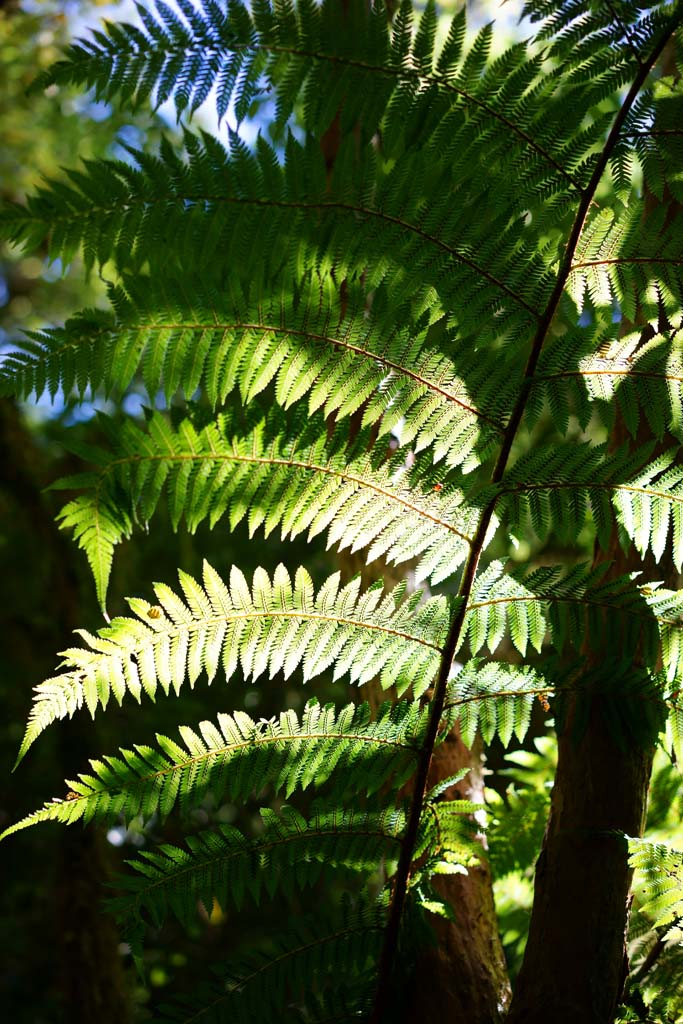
(308, 335)
(455, 632)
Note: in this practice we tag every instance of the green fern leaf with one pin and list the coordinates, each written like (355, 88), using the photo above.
(274, 626)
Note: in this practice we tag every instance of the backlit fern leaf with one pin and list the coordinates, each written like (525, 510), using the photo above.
(282, 473)
(345, 751)
(494, 699)
(271, 627)
(188, 334)
(660, 871)
(640, 373)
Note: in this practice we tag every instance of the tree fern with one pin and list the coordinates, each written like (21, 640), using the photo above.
(415, 338)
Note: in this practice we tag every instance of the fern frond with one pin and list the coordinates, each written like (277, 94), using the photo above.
(332, 60)
(495, 699)
(282, 473)
(602, 43)
(640, 373)
(579, 609)
(299, 972)
(204, 211)
(554, 488)
(270, 627)
(183, 334)
(622, 260)
(343, 751)
(288, 853)
(660, 872)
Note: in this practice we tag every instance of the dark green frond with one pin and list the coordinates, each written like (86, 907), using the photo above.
(299, 970)
(288, 853)
(345, 751)
(204, 211)
(343, 61)
(554, 488)
(273, 626)
(581, 610)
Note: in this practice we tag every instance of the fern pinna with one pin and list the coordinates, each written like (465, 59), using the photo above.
(455, 325)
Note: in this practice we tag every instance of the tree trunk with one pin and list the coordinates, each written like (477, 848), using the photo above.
(464, 977)
(575, 962)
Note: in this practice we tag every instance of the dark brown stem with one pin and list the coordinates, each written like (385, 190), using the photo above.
(469, 573)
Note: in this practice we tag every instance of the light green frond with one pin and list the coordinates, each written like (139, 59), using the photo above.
(272, 626)
(288, 853)
(237, 757)
(284, 473)
(495, 699)
(659, 882)
(628, 259)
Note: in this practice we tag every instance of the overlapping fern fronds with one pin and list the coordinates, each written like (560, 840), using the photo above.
(442, 279)
(345, 751)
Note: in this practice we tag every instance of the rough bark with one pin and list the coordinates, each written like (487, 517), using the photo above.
(574, 966)
(464, 977)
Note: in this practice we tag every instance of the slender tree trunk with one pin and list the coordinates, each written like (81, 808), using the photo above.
(464, 976)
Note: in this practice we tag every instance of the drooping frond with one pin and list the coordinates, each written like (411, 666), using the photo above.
(288, 852)
(284, 472)
(297, 978)
(660, 873)
(343, 751)
(183, 333)
(554, 488)
(579, 609)
(271, 627)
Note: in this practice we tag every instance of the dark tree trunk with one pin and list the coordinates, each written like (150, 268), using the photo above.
(88, 982)
(464, 977)
(575, 963)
